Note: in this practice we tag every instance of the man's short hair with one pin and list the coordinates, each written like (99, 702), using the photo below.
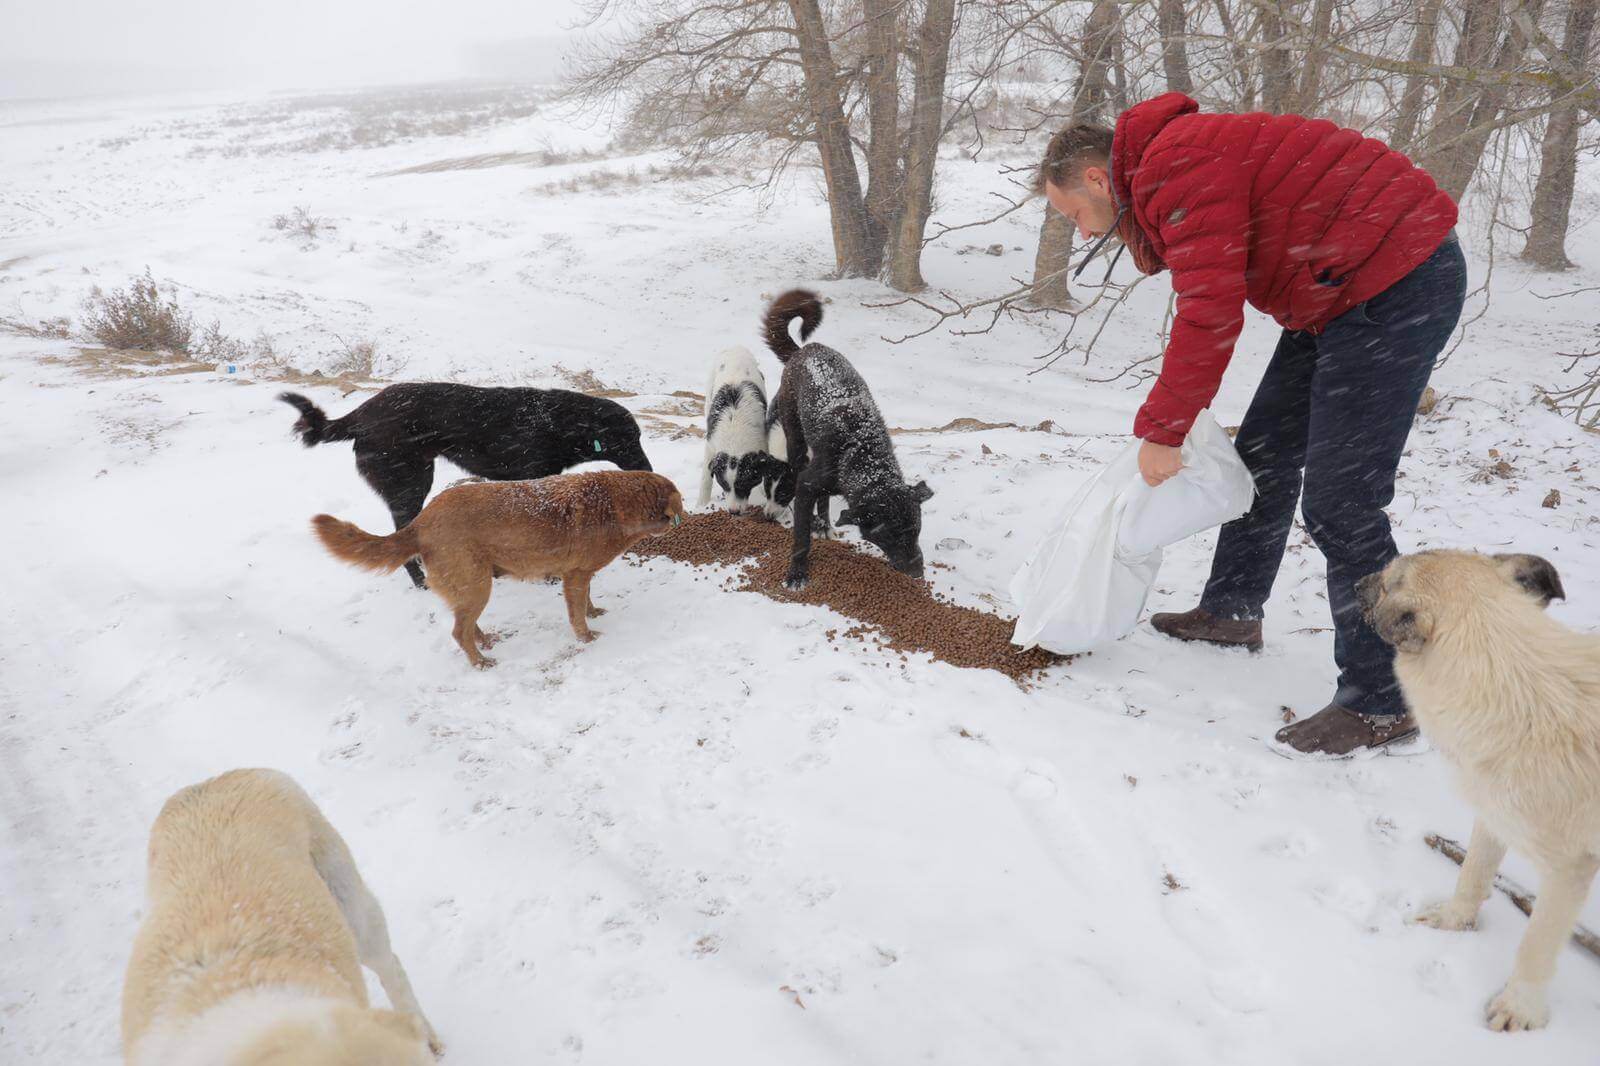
(1072, 149)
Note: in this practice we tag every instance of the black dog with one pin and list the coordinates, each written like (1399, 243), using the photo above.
(503, 434)
(838, 444)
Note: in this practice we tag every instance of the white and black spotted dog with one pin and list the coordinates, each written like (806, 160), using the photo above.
(736, 433)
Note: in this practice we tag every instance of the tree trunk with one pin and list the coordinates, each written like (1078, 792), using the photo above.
(1306, 95)
(1462, 156)
(1277, 80)
(1174, 54)
(1558, 165)
(846, 207)
(1423, 39)
(1241, 58)
(1119, 82)
(1052, 287)
(1093, 89)
(883, 123)
(927, 123)
(1480, 24)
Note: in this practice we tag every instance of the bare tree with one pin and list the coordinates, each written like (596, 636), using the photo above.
(1277, 82)
(847, 206)
(1423, 39)
(1462, 122)
(927, 128)
(713, 76)
(1090, 96)
(1308, 93)
(1558, 164)
(884, 174)
(1174, 53)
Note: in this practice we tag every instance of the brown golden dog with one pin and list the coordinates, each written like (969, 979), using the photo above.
(567, 526)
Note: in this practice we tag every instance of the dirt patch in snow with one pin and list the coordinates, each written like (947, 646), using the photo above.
(891, 610)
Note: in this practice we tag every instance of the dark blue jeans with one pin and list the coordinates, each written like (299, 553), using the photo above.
(1338, 407)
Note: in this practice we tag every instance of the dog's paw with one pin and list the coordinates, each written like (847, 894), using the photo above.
(488, 638)
(595, 612)
(484, 663)
(1519, 1006)
(1448, 915)
(588, 638)
(796, 581)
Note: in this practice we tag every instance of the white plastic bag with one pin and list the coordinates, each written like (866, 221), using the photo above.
(1086, 582)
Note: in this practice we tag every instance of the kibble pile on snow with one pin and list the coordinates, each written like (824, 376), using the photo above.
(898, 612)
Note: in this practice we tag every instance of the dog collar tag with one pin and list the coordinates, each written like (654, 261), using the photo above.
(597, 447)
(677, 519)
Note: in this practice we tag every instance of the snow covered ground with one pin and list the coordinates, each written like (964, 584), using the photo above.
(709, 837)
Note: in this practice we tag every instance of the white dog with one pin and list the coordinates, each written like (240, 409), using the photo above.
(1512, 699)
(736, 455)
(250, 953)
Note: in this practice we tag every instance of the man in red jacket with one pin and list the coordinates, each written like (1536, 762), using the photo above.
(1351, 249)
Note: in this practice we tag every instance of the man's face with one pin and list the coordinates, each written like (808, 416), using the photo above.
(1090, 206)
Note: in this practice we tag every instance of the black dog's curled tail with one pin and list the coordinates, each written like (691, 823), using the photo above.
(313, 427)
(796, 303)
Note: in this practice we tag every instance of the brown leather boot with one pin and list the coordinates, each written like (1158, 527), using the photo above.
(1335, 730)
(1206, 628)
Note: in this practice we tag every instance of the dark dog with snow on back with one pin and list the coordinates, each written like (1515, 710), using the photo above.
(503, 434)
(838, 444)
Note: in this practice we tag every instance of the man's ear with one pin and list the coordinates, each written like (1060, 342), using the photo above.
(1098, 179)
(921, 492)
(1535, 574)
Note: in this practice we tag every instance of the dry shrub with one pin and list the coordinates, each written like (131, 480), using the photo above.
(354, 359)
(138, 317)
(302, 225)
(57, 328)
(223, 348)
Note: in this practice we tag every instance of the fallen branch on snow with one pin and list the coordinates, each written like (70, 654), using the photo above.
(1518, 895)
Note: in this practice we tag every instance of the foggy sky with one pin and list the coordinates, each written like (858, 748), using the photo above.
(89, 47)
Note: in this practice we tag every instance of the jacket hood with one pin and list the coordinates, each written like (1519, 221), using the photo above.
(1136, 128)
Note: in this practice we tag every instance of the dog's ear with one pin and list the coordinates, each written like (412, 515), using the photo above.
(921, 492)
(1535, 574)
(845, 518)
(1406, 630)
(719, 471)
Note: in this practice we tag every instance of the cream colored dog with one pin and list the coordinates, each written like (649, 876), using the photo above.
(248, 955)
(1512, 699)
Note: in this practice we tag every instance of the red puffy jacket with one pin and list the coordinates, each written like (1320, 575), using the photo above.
(1300, 218)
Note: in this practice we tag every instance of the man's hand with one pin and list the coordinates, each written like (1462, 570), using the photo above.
(1157, 462)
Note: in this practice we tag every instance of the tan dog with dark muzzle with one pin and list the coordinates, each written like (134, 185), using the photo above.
(253, 939)
(1512, 698)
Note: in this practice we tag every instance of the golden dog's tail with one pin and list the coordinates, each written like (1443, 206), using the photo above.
(347, 541)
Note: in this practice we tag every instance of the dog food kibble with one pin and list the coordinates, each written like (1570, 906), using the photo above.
(896, 612)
